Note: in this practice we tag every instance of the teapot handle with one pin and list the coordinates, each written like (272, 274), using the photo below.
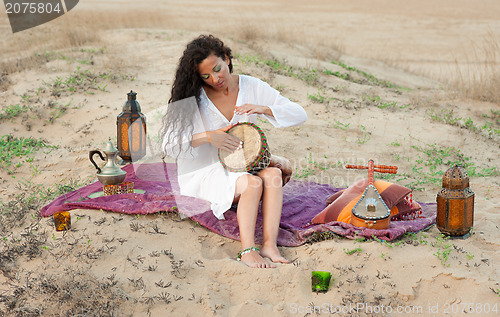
(91, 157)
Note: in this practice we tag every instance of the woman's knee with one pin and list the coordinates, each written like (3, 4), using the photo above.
(250, 182)
(271, 176)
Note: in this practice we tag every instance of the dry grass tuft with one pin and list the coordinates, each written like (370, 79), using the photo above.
(71, 292)
(319, 47)
(479, 78)
(25, 50)
(4, 82)
(15, 214)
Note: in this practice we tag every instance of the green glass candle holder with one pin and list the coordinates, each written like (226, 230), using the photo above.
(320, 281)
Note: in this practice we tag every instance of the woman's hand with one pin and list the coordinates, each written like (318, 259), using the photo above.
(251, 109)
(224, 141)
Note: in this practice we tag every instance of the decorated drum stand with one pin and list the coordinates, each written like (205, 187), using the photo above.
(371, 211)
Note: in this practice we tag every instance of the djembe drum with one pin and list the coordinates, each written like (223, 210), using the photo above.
(254, 155)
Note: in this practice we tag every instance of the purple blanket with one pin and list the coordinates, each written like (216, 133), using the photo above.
(301, 202)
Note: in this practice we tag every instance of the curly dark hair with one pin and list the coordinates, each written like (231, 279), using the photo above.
(188, 83)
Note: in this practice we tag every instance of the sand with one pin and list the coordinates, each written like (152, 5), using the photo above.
(161, 265)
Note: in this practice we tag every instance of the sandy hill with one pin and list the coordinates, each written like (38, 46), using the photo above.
(370, 77)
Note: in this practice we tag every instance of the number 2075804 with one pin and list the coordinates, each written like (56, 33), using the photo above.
(32, 8)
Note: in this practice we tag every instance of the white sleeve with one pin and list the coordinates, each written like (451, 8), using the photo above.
(286, 113)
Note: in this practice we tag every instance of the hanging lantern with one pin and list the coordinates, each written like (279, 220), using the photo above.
(131, 130)
(455, 203)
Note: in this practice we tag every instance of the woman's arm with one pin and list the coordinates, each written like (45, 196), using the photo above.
(251, 109)
(267, 101)
(218, 138)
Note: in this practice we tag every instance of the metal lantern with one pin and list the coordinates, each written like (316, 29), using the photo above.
(131, 130)
(455, 203)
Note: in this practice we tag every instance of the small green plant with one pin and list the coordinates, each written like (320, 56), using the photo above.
(310, 167)
(93, 50)
(306, 171)
(446, 116)
(318, 97)
(435, 159)
(307, 75)
(372, 99)
(316, 164)
(82, 80)
(494, 115)
(399, 243)
(359, 240)
(369, 77)
(352, 251)
(12, 111)
(384, 242)
(58, 111)
(280, 87)
(411, 235)
(341, 126)
(35, 170)
(384, 105)
(421, 239)
(337, 74)
(26, 98)
(376, 101)
(444, 249)
(366, 136)
(11, 147)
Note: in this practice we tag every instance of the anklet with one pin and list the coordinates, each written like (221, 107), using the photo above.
(243, 252)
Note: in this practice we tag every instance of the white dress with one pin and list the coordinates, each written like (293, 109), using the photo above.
(200, 174)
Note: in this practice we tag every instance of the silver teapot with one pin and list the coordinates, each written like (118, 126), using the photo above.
(110, 173)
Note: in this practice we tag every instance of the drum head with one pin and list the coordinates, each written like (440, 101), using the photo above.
(245, 157)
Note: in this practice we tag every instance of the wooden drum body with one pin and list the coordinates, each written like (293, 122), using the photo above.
(254, 155)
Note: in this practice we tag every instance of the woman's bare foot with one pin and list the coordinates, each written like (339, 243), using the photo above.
(253, 259)
(273, 254)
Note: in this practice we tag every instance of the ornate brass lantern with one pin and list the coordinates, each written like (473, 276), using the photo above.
(131, 130)
(455, 203)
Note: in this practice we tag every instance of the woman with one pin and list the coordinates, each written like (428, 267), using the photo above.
(207, 100)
